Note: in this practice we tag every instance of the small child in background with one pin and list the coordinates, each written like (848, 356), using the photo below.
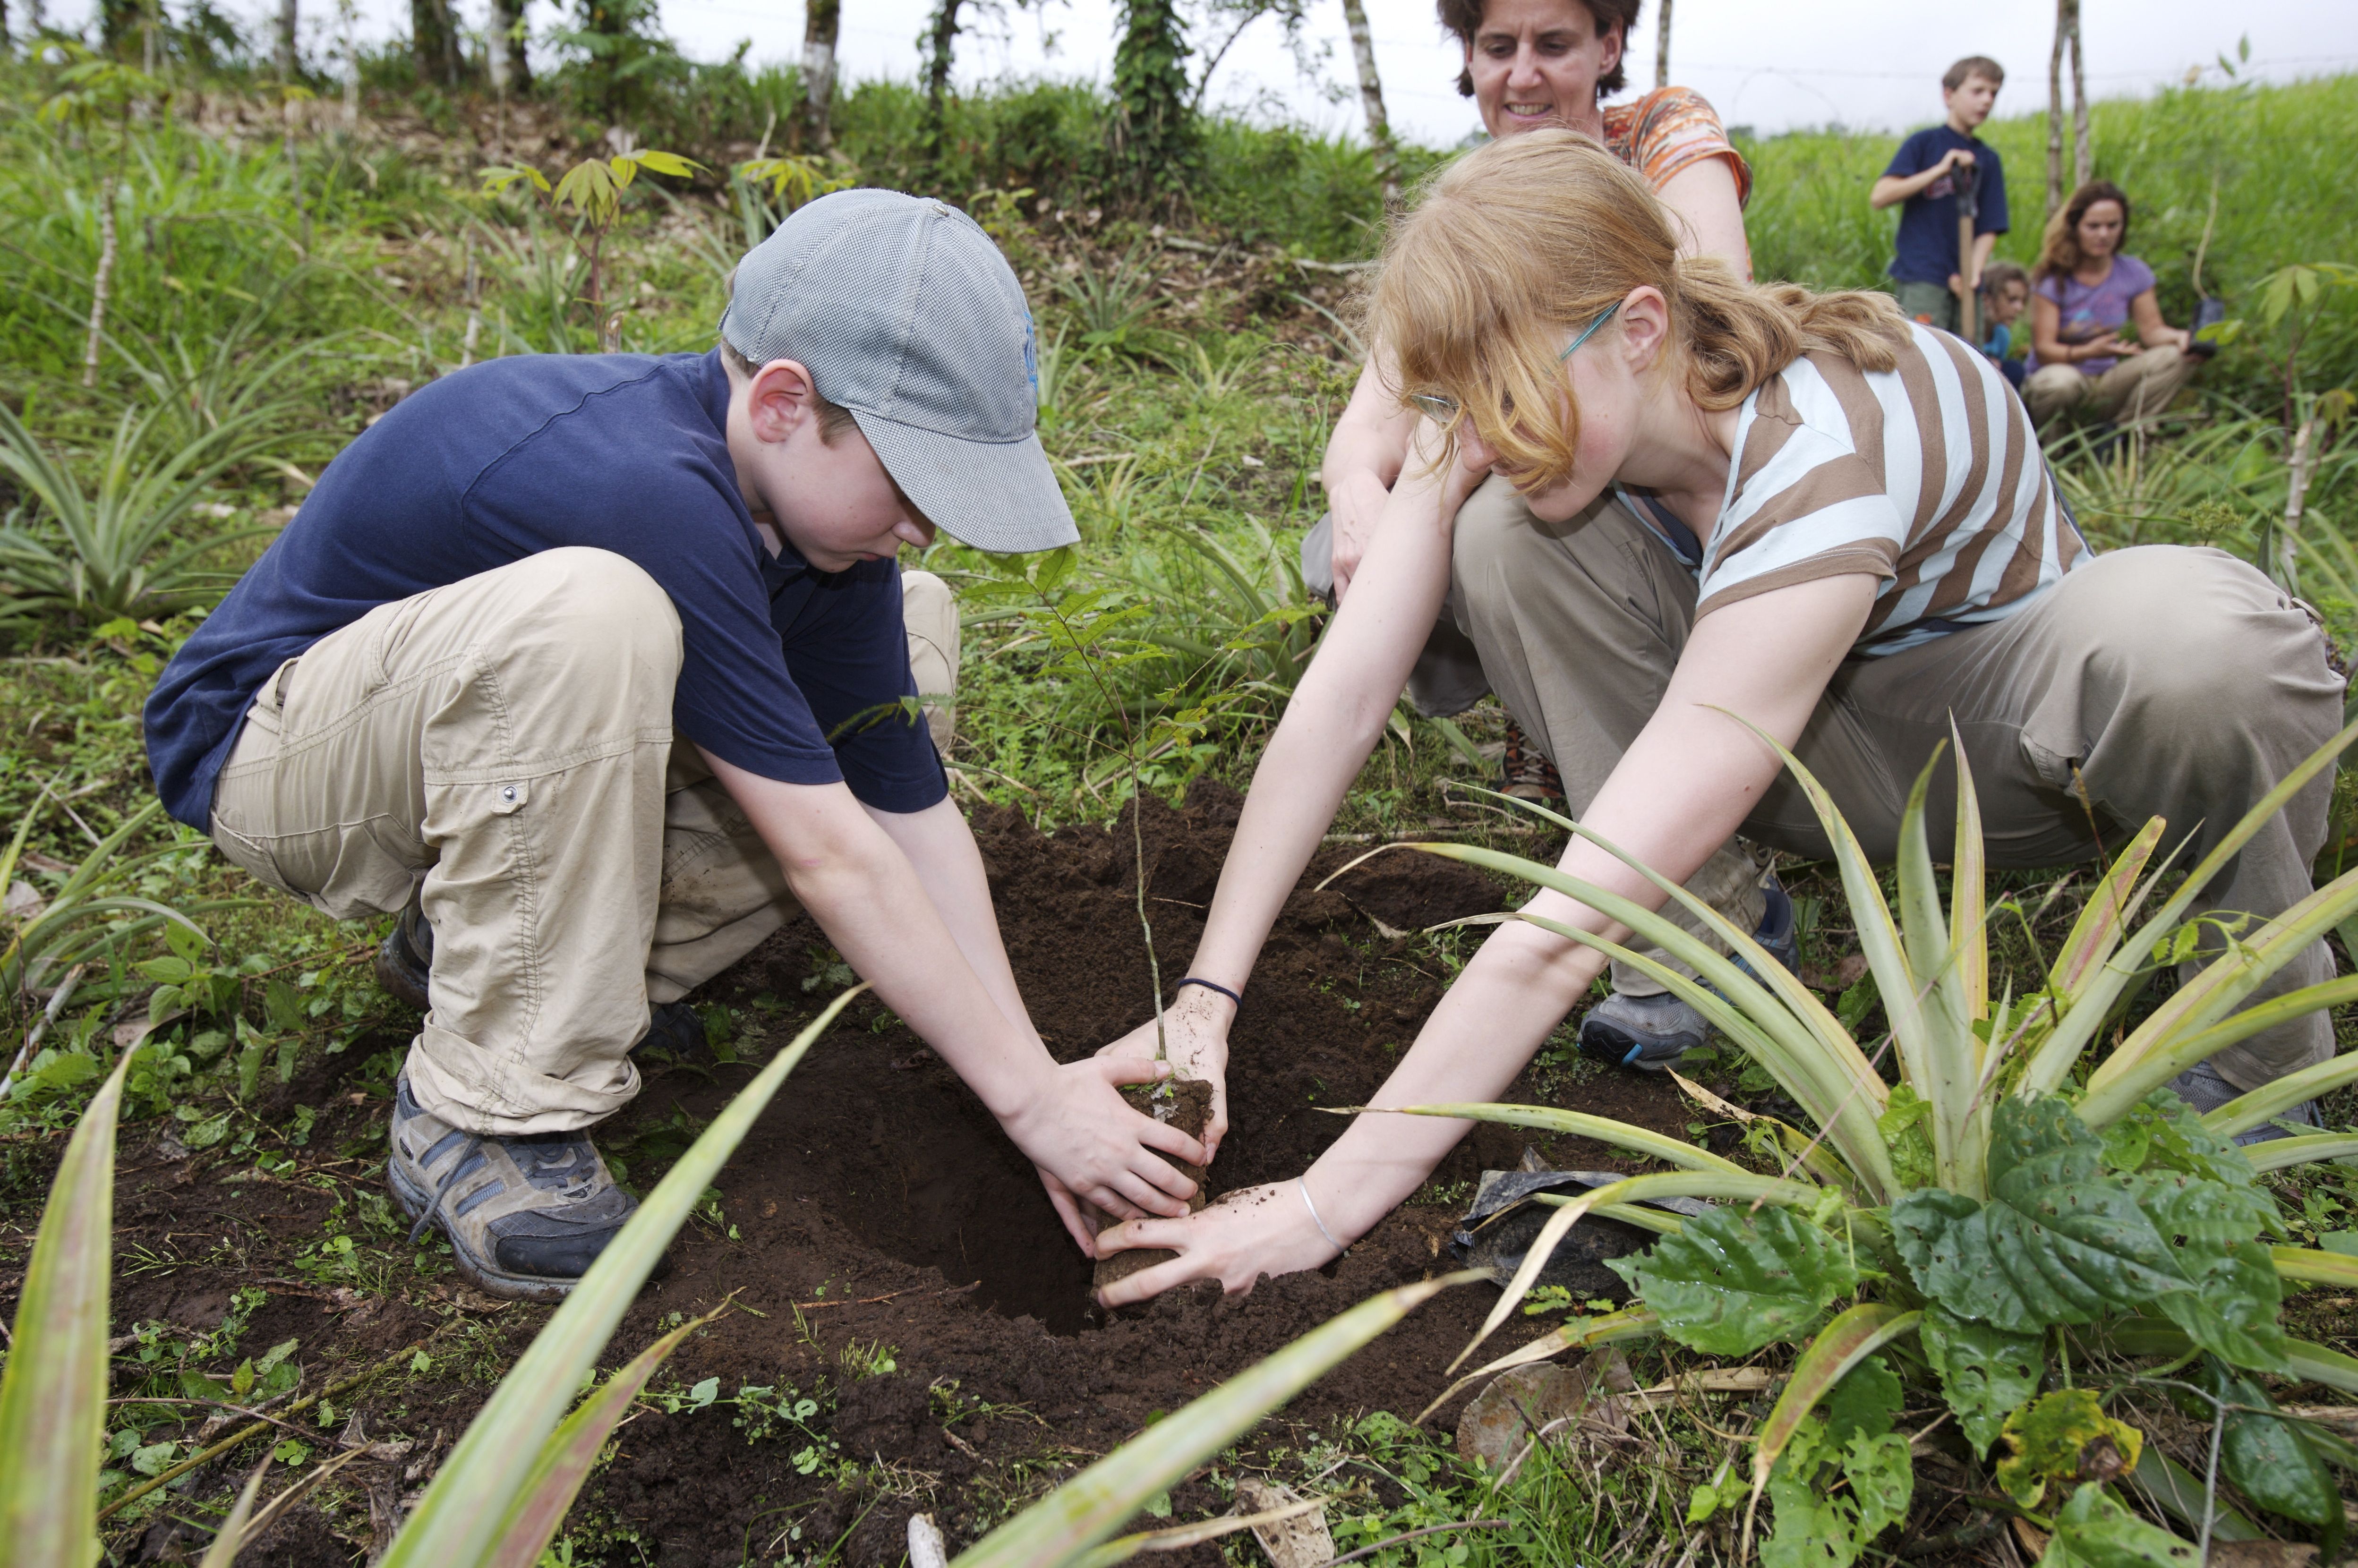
(2005, 294)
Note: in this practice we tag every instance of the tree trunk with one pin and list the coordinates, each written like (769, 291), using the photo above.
(2084, 146)
(433, 42)
(2296, 499)
(2063, 10)
(820, 23)
(1661, 46)
(940, 41)
(101, 282)
(508, 49)
(1371, 99)
(286, 51)
(1153, 136)
(348, 13)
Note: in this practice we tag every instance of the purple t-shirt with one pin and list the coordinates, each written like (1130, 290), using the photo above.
(2089, 312)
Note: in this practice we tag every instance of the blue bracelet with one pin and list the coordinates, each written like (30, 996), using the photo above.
(1211, 986)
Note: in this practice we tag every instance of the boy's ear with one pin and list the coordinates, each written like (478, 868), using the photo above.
(778, 398)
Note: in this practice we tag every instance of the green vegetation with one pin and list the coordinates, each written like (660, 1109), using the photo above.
(266, 293)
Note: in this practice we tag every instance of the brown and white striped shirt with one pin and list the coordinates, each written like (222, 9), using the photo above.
(1928, 475)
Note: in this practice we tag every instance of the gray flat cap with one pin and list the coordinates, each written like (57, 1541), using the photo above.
(905, 313)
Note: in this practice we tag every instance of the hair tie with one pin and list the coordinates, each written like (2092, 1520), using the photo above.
(1211, 986)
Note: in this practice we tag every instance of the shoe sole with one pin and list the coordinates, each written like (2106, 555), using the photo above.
(492, 1281)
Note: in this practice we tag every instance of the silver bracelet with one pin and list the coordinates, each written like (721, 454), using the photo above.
(1304, 1182)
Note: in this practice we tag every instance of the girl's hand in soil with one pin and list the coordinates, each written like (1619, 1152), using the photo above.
(1086, 1141)
(1260, 1230)
(1195, 1033)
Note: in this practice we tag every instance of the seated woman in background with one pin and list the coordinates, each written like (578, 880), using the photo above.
(1797, 508)
(2085, 290)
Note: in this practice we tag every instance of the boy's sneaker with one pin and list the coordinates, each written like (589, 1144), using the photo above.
(1525, 772)
(2203, 1087)
(405, 959)
(526, 1216)
(1652, 1033)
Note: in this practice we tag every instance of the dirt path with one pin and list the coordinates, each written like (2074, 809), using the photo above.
(876, 1213)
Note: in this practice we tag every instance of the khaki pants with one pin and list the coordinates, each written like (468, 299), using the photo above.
(2156, 681)
(1931, 303)
(506, 741)
(2134, 389)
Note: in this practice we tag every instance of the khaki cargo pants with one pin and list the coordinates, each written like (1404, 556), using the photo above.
(506, 741)
(2158, 681)
(2137, 387)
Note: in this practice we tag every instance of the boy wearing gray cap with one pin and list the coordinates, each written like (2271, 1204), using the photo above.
(599, 666)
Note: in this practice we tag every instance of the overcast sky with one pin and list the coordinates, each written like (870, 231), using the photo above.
(1862, 63)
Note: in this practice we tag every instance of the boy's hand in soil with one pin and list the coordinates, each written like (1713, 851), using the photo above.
(1260, 1230)
(1086, 1141)
(1195, 1034)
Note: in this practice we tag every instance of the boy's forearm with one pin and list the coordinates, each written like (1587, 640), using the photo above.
(864, 891)
(940, 846)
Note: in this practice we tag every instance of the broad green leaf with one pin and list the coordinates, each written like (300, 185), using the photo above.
(53, 1392)
(1842, 1351)
(2094, 1532)
(455, 1522)
(1732, 1281)
(2061, 1239)
(2064, 1436)
(1100, 1499)
(570, 1453)
(2232, 1310)
(2272, 1464)
(1745, 1187)
(1985, 1373)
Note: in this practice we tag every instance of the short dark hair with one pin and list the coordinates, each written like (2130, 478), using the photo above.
(1999, 274)
(1462, 19)
(834, 419)
(1972, 65)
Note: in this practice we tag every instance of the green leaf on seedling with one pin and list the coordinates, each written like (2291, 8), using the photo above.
(282, 1004)
(1908, 1134)
(241, 1383)
(1732, 1281)
(1985, 1373)
(2064, 1436)
(2094, 1532)
(205, 1134)
(1864, 1402)
(292, 1453)
(1825, 1518)
(421, 1362)
(153, 1459)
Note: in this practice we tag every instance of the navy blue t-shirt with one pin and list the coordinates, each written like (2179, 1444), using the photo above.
(1927, 249)
(619, 452)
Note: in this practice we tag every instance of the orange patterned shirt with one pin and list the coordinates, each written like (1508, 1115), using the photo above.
(1670, 129)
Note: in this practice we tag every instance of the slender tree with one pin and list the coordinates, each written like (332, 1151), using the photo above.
(508, 49)
(1371, 99)
(285, 41)
(821, 20)
(939, 42)
(2067, 36)
(348, 15)
(1662, 46)
(1153, 140)
(433, 42)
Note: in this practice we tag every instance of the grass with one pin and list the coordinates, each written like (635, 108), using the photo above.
(1187, 396)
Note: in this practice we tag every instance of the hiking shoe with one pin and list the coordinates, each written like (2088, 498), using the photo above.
(2202, 1088)
(1651, 1032)
(525, 1215)
(1525, 772)
(406, 958)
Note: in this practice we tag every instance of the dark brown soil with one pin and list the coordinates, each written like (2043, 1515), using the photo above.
(877, 1203)
(1188, 1107)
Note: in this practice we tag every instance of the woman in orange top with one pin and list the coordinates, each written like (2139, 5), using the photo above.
(1531, 63)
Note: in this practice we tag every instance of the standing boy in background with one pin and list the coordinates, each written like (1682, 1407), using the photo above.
(1924, 174)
